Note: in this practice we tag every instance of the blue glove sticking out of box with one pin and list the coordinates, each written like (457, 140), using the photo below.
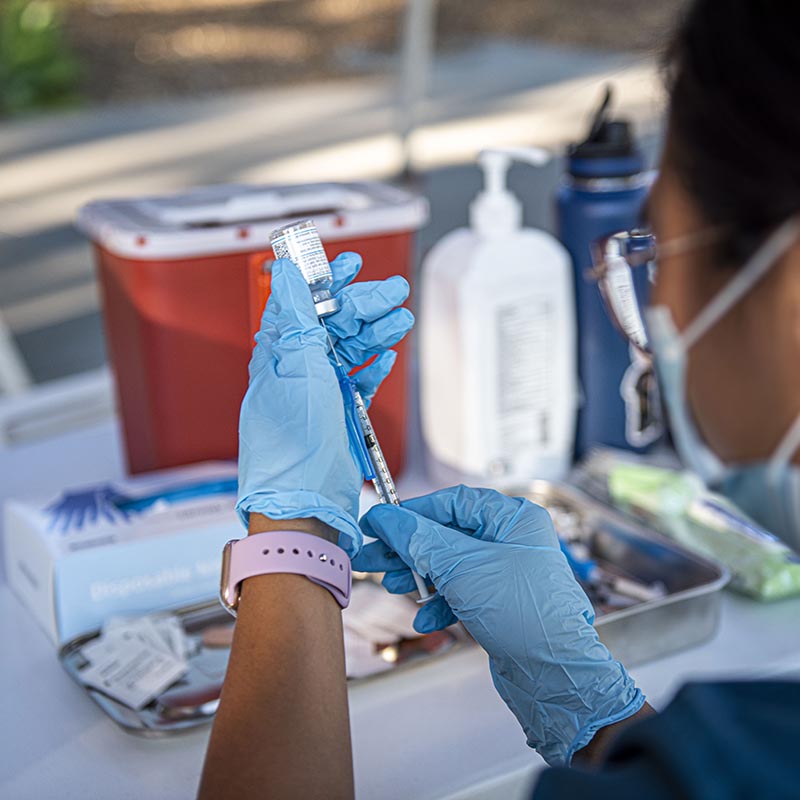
(75, 509)
(295, 459)
(107, 503)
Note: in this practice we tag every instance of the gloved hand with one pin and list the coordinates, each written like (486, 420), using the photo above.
(497, 567)
(294, 455)
(369, 321)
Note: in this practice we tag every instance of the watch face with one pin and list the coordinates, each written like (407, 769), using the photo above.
(228, 594)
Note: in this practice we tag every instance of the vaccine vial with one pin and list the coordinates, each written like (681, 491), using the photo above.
(300, 243)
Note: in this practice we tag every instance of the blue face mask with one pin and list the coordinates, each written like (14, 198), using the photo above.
(768, 491)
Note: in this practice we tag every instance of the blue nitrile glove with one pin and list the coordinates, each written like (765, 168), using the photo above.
(497, 567)
(294, 455)
(369, 321)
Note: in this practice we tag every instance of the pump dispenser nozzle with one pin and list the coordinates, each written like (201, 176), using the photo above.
(495, 211)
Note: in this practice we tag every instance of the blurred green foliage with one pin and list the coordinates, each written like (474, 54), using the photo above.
(37, 69)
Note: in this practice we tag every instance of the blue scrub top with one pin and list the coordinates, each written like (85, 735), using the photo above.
(714, 741)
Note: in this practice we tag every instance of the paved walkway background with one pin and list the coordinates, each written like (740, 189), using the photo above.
(498, 93)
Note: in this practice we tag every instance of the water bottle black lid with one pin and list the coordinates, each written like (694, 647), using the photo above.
(609, 150)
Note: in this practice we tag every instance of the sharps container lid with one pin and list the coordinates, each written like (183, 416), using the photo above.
(215, 220)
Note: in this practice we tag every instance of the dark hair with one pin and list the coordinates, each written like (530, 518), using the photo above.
(733, 74)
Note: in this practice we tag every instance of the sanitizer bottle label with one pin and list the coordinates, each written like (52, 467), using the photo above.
(524, 376)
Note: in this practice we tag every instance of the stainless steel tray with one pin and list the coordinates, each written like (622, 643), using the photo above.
(686, 616)
(193, 701)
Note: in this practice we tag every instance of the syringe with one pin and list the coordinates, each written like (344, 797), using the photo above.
(301, 244)
(377, 470)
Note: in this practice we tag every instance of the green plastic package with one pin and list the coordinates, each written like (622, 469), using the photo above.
(761, 565)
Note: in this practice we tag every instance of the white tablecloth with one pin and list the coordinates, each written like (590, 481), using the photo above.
(436, 731)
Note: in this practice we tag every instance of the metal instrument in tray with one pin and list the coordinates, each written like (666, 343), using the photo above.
(688, 612)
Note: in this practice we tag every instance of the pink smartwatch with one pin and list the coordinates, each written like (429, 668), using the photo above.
(284, 551)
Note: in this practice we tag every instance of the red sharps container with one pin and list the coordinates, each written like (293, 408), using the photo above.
(184, 280)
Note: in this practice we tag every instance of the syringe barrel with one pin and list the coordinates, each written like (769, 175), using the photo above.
(383, 481)
(300, 243)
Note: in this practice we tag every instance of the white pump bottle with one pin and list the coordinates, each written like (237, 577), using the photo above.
(497, 341)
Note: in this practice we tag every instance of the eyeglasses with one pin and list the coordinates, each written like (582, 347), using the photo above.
(625, 290)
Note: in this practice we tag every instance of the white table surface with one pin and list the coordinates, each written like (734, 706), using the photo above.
(436, 731)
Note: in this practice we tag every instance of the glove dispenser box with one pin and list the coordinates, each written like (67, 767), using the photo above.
(136, 546)
(184, 281)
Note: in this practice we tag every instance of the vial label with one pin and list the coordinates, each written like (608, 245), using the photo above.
(524, 377)
(303, 247)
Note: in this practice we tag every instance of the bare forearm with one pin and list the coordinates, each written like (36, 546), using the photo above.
(282, 730)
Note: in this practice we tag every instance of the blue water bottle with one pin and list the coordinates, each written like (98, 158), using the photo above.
(602, 192)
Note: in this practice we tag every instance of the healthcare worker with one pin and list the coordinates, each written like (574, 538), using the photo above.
(723, 329)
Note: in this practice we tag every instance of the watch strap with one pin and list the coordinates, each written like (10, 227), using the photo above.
(285, 552)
